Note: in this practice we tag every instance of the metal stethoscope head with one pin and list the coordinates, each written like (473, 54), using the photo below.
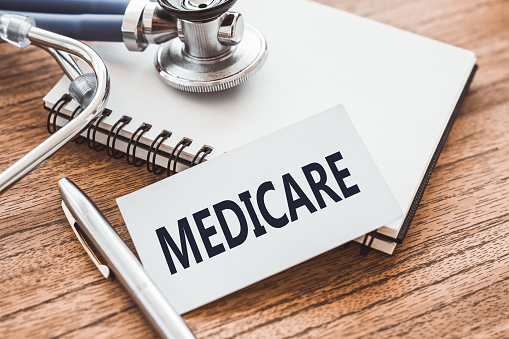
(205, 46)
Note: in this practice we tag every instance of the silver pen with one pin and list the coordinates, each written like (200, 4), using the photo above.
(82, 212)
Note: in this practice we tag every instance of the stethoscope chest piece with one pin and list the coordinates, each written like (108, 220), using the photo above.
(186, 72)
(214, 49)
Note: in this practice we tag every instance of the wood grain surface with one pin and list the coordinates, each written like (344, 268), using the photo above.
(450, 278)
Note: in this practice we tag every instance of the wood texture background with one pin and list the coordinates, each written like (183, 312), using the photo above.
(450, 278)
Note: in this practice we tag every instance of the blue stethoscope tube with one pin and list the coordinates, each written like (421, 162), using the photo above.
(66, 6)
(92, 27)
(94, 20)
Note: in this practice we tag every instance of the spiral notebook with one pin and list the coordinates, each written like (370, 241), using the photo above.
(402, 92)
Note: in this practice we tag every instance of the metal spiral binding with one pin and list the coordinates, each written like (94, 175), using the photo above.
(144, 127)
(204, 151)
(117, 127)
(185, 142)
(153, 150)
(79, 139)
(93, 126)
(366, 246)
(134, 142)
(51, 123)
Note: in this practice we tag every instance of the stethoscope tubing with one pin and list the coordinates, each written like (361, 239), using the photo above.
(92, 27)
(66, 6)
(50, 40)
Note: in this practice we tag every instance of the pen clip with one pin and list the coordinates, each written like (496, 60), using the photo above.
(103, 268)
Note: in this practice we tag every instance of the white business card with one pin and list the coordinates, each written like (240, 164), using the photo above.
(260, 209)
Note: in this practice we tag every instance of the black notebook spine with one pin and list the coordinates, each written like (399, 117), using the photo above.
(370, 237)
(154, 151)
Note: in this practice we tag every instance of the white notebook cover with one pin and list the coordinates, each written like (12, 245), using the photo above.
(399, 88)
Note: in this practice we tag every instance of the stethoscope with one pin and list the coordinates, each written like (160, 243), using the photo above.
(205, 47)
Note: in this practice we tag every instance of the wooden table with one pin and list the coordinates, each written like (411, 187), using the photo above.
(450, 278)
